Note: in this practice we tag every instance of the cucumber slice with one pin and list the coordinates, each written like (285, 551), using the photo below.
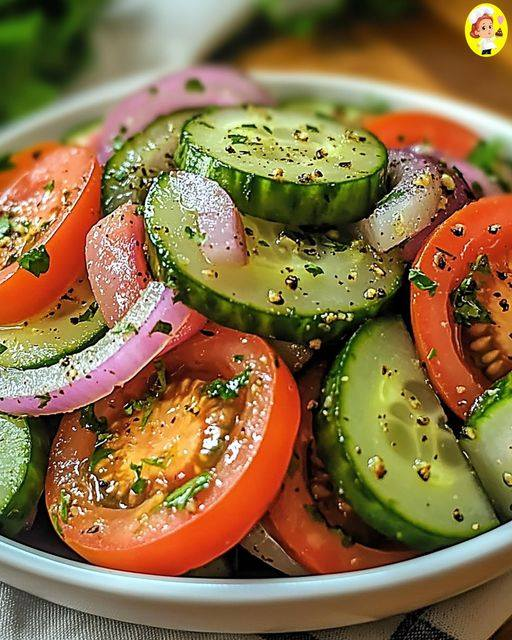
(24, 449)
(81, 134)
(73, 323)
(487, 440)
(296, 286)
(383, 437)
(346, 114)
(129, 172)
(286, 166)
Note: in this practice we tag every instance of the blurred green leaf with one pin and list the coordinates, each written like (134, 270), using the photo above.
(42, 46)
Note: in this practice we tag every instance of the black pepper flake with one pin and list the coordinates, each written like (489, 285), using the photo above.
(504, 304)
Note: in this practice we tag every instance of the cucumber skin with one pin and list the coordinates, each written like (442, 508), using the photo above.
(334, 204)
(329, 439)
(22, 505)
(117, 187)
(246, 318)
(501, 391)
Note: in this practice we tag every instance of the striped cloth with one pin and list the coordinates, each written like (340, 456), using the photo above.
(473, 616)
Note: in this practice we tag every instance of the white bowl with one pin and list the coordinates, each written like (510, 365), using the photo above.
(257, 605)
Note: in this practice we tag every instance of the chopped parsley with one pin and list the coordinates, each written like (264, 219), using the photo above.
(87, 315)
(89, 420)
(238, 357)
(311, 128)
(195, 234)
(313, 269)
(228, 389)
(99, 454)
(49, 186)
(43, 400)
(3, 348)
(140, 483)
(5, 226)
(154, 462)
(156, 389)
(180, 497)
(64, 502)
(422, 282)
(161, 327)
(431, 354)
(36, 261)
(467, 308)
(237, 138)
(194, 85)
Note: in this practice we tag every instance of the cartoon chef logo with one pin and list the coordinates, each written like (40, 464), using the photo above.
(486, 30)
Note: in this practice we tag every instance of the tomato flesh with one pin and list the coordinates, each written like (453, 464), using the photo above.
(50, 199)
(293, 519)
(243, 442)
(481, 228)
(401, 129)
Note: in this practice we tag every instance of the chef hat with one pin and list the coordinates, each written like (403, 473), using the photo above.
(480, 11)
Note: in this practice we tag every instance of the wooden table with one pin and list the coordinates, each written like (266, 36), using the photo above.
(427, 51)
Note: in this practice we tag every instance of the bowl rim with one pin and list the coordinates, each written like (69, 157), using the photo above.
(492, 544)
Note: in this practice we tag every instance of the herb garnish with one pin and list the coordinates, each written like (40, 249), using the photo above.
(228, 389)
(195, 234)
(64, 502)
(99, 454)
(140, 483)
(467, 309)
(422, 282)
(161, 327)
(87, 315)
(89, 420)
(36, 261)
(154, 462)
(431, 354)
(180, 497)
(3, 348)
(314, 270)
(49, 186)
(5, 226)
(156, 389)
(43, 400)
(237, 138)
(194, 85)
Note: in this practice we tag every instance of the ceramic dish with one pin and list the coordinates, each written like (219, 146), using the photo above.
(38, 566)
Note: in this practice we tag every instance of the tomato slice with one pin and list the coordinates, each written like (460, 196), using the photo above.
(50, 199)
(294, 521)
(401, 129)
(481, 228)
(168, 487)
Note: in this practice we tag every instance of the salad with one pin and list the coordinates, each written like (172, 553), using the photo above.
(227, 322)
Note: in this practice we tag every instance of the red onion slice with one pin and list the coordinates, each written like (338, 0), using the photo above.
(409, 206)
(217, 218)
(263, 546)
(93, 373)
(192, 88)
(457, 196)
(116, 263)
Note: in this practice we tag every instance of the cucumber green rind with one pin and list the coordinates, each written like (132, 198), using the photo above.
(335, 434)
(21, 480)
(341, 199)
(176, 260)
(487, 441)
(130, 170)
